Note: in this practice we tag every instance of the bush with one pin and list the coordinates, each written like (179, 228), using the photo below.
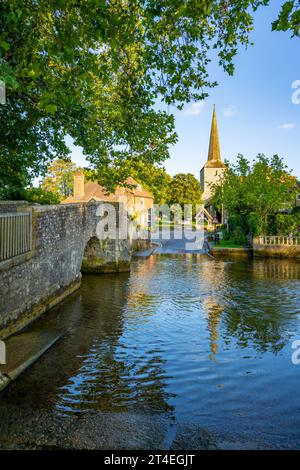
(40, 196)
(225, 233)
(238, 222)
(36, 195)
(296, 210)
(238, 237)
(12, 193)
(255, 225)
(284, 224)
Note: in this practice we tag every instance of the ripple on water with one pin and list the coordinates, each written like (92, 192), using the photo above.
(209, 341)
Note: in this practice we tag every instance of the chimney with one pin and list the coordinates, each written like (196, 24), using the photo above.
(78, 187)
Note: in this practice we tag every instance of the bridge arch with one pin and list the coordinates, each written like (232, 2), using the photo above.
(106, 256)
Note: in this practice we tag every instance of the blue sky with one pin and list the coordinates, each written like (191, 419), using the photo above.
(254, 107)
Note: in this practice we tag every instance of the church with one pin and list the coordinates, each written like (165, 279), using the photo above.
(211, 172)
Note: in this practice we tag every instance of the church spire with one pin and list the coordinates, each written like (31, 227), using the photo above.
(214, 168)
(214, 145)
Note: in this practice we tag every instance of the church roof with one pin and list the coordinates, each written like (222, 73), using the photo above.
(214, 154)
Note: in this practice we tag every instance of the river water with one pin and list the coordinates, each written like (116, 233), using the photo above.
(206, 342)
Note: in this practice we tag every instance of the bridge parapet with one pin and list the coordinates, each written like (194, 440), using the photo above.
(63, 242)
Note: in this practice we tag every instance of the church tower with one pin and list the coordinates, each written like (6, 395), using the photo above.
(214, 167)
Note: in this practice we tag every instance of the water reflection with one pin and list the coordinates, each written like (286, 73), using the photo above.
(214, 312)
(113, 376)
(185, 334)
(262, 304)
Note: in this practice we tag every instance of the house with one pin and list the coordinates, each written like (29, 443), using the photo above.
(137, 200)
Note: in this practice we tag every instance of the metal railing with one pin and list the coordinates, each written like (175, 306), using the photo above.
(15, 234)
(277, 240)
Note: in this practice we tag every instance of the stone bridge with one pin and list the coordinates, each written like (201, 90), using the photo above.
(39, 271)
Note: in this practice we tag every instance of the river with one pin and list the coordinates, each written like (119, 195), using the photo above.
(183, 344)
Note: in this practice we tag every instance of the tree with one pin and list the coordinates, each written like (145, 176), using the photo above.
(94, 70)
(59, 178)
(185, 189)
(284, 224)
(251, 193)
(289, 18)
(40, 196)
(155, 179)
(150, 176)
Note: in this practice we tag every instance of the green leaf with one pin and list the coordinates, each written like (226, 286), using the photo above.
(4, 45)
(51, 108)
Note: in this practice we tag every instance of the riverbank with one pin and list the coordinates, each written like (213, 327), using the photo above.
(40, 430)
(277, 247)
(229, 250)
(257, 251)
(24, 349)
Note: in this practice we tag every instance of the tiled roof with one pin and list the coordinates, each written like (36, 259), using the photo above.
(92, 190)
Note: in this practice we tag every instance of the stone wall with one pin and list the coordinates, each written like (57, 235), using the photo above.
(64, 240)
(231, 252)
(276, 251)
(13, 206)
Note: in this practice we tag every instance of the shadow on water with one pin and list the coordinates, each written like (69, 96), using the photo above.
(207, 341)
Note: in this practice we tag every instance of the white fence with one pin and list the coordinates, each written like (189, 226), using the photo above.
(15, 234)
(277, 240)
